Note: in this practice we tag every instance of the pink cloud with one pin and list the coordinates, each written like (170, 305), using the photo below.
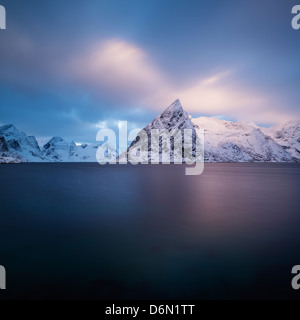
(124, 71)
(118, 69)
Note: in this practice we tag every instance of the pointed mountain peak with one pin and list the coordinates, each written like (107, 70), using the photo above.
(173, 117)
(174, 110)
(8, 127)
(56, 140)
(176, 105)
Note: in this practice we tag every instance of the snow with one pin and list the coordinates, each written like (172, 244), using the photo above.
(174, 117)
(225, 141)
(9, 160)
(25, 147)
(286, 135)
(58, 150)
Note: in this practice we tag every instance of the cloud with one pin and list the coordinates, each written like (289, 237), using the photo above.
(221, 95)
(117, 73)
(122, 72)
(117, 70)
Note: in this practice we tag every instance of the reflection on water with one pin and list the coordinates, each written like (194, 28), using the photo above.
(125, 232)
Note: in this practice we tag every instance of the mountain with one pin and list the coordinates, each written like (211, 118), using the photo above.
(84, 153)
(174, 117)
(5, 155)
(58, 150)
(224, 141)
(227, 141)
(16, 147)
(287, 135)
(16, 144)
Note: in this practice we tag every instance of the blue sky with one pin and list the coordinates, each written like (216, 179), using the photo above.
(70, 67)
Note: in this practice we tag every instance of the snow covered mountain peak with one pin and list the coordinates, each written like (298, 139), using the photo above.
(9, 130)
(286, 135)
(176, 105)
(20, 145)
(8, 127)
(57, 149)
(55, 140)
(225, 141)
(174, 117)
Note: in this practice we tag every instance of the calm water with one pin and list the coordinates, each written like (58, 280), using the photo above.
(124, 232)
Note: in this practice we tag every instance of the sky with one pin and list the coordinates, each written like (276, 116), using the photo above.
(69, 68)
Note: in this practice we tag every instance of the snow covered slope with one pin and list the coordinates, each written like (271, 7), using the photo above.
(84, 153)
(9, 160)
(287, 135)
(19, 145)
(174, 117)
(58, 150)
(227, 141)
(16, 147)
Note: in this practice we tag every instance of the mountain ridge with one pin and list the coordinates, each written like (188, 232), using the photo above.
(225, 141)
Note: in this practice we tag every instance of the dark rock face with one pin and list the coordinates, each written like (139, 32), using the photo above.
(14, 144)
(3, 145)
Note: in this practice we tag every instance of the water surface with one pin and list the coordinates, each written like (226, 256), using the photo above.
(149, 232)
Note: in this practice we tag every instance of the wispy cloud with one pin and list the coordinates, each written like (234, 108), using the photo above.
(125, 73)
(119, 71)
